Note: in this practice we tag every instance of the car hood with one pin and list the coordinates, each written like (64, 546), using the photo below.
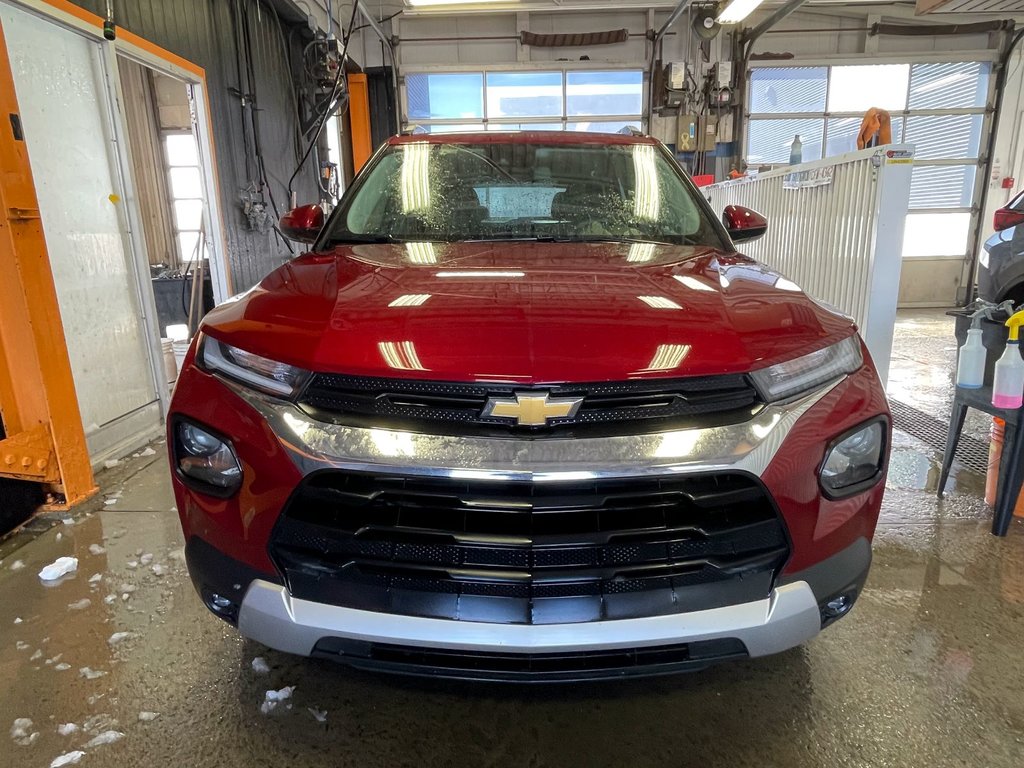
(528, 312)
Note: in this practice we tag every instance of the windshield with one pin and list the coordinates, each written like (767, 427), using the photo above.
(517, 191)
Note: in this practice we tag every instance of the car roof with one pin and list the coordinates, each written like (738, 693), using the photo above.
(523, 137)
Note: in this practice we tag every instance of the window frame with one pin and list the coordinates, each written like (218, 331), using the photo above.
(185, 259)
(488, 123)
(980, 57)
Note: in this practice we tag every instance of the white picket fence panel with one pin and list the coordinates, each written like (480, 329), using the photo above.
(841, 241)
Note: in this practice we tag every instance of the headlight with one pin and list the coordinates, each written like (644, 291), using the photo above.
(258, 372)
(794, 377)
(854, 461)
(206, 459)
(983, 259)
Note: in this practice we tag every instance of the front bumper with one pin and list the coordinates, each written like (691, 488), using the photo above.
(791, 615)
(782, 446)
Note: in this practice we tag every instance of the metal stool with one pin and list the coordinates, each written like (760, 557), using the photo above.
(1011, 471)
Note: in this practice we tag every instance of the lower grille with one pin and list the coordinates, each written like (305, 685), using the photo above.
(536, 666)
(521, 552)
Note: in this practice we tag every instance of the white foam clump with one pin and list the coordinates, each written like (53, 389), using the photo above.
(107, 737)
(22, 733)
(60, 567)
(68, 758)
(273, 698)
(260, 666)
(66, 729)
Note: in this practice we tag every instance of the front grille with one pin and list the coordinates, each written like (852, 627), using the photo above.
(457, 408)
(522, 552)
(578, 665)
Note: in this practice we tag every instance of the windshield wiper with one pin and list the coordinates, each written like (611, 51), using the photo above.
(490, 163)
(595, 239)
(362, 240)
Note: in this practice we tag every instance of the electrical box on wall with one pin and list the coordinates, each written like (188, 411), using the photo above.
(677, 75)
(708, 134)
(688, 134)
(725, 128)
(723, 74)
(664, 128)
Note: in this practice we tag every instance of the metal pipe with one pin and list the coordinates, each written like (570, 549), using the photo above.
(1004, 63)
(387, 43)
(771, 20)
(934, 30)
(485, 38)
(745, 46)
(655, 44)
(373, 23)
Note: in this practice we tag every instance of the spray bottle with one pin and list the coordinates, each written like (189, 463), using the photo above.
(970, 366)
(1008, 384)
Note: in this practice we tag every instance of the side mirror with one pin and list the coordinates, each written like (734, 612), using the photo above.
(743, 223)
(303, 223)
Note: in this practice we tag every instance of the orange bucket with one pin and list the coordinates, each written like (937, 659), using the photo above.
(995, 454)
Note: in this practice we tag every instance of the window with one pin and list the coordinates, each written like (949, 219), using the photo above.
(527, 100)
(182, 153)
(444, 96)
(939, 107)
(429, 191)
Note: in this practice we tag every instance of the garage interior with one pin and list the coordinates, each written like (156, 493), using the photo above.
(152, 149)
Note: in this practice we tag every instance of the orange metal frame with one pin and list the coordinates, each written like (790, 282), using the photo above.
(45, 441)
(359, 120)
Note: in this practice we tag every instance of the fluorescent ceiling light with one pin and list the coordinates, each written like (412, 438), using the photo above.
(641, 252)
(737, 10)
(667, 357)
(647, 195)
(400, 355)
(659, 302)
(454, 2)
(415, 177)
(693, 283)
(410, 300)
(421, 253)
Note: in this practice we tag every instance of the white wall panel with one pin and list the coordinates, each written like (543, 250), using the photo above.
(60, 86)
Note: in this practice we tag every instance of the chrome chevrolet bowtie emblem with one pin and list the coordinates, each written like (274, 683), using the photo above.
(532, 409)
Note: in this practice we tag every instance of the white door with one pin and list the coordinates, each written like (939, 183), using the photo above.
(62, 97)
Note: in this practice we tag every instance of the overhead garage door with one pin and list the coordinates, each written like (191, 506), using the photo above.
(59, 78)
(940, 107)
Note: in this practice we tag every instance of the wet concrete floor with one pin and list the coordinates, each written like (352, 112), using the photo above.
(925, 672)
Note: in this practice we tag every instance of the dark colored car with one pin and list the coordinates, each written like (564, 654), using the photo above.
(1001, 267)
(524, 412)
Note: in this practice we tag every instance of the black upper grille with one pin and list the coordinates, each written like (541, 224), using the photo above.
(522, 552)
(457, 408)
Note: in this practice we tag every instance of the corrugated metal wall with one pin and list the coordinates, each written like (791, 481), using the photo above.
(205, 33)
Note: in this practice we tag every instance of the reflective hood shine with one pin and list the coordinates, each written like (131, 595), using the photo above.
(534, 312)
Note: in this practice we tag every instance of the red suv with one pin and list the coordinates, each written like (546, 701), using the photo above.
(523, 412)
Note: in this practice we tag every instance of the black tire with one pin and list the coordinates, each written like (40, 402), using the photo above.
(1014, 293)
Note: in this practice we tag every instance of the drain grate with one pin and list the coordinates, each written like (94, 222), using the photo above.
(971, 453)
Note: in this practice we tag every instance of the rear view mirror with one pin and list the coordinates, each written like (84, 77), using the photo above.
(743, 223)
(303, 223)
